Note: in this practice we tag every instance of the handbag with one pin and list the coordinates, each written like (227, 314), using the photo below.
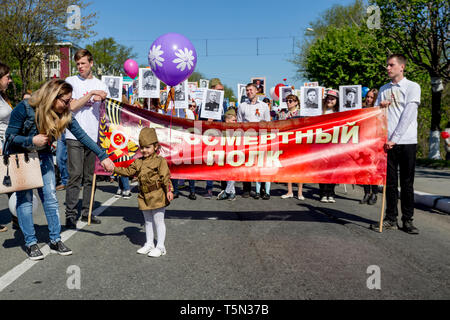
(20, 171)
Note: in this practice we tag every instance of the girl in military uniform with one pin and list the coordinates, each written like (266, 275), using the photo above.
(155, 190)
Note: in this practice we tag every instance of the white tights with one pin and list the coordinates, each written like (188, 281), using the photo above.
(154, 221)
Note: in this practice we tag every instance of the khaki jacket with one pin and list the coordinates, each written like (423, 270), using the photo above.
(154, 181)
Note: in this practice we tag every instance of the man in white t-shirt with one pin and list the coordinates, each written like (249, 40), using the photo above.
(88, 92)
(402, 98)
(252, 111)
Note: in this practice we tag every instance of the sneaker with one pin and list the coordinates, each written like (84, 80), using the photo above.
(34, 253)
(157, 252)
(365, 199)
(287, 196)
(126, 194)
(408, 227)
(232, 197)
(94, 219)
(256, 196)
(145, 249)
(118, 193)
(387, 224)
(222, 195)
(208, 194)
(60, 248)
(192, 196)
(331, 199)
(372, 199)
(265, 196)
(324, 199)
(300, 197)
(246, 195)
(71, 223)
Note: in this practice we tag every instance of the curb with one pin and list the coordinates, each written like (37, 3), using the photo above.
(441, 203)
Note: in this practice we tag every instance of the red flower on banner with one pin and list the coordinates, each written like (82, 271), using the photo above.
(445, 134)
(257, 112)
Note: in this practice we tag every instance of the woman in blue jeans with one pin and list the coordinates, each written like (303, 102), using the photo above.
(34, 124)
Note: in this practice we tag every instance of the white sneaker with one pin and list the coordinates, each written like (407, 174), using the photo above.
(118, 193)
(157, 252)
(287, 196)
(324, 199)
(145, 249)
(300, 197)
(331, 199)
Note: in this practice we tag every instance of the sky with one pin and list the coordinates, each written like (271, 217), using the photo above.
(233, 53)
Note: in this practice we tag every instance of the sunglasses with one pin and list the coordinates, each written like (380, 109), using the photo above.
(291, 100)
(67, 101)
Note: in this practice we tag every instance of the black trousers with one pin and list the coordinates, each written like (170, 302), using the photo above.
(326, 189)
(246, 186)
(402, 157)
(370, 189)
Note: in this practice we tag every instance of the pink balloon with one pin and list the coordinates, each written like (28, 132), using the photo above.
(131, 68)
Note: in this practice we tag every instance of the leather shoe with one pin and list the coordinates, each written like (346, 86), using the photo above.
(71, 223)
(94, 219)
(192, 196)
(365, 199)
(373, 199)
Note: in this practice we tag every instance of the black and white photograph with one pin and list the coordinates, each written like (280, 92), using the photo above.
(114, 85)
(350, 97)
(242, 94)
(284, 92)
(213, 106)
(181, 95)
(163, 97)
(311, 102)
(260, 85)
(204, 83)
(148, 84)
(198, 96)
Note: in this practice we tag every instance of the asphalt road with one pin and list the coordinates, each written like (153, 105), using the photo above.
(247, 249)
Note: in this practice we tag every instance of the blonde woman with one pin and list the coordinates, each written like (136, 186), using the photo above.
(293, 111)
(34, 124)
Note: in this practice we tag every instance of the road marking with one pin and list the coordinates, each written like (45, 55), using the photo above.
(13, 274)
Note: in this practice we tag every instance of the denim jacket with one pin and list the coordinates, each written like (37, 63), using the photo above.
(22, 128)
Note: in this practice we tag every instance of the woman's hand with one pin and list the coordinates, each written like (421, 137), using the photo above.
(108, 165)
(40, 140)
(98, 95)
(170, 195)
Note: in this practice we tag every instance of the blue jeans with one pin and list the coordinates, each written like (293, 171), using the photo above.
(267, 185)
(47, 193)
(124, 183)
(209, 185)
(175, 185)
(61, 159)
(192, 186)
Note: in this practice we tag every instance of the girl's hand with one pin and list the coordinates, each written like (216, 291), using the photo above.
(40, 140)
(170, 195)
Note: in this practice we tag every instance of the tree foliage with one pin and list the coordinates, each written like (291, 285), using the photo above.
(109, 56)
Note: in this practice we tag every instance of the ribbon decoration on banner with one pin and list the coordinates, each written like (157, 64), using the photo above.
(344, 147)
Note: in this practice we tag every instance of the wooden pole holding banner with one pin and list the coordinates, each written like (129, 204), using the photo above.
(92, 199)
(382, 208)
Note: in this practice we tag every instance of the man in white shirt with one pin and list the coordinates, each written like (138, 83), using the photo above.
(402, 98)
(88, 92)
(253, 111)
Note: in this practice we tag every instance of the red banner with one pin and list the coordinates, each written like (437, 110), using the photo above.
(344, 147)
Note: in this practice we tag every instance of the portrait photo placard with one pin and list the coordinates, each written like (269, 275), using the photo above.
(260, 85)
(350, 97)
(204, 83)
(311, 101)
(191, 87)
(148, 84)
(163, 97)
(181, 95)
(114, 85)
(284, 92)
(242, 95)
(198, 96)
(213, 104)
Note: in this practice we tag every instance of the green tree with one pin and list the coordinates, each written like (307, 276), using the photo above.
(421, 30)
(109, 56)
(30, 28)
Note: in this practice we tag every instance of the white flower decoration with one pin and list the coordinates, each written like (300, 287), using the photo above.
(154, 57)
(185, 59)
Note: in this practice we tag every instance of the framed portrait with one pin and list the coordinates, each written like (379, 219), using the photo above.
(148, 84)
(284, 92)
(213, 104)
(114, 85)
(181, 95)
(260, 85)
(242, 95)
(311, 101)
(163, 97)
(198, 96)
(204, 83)
(350, 97)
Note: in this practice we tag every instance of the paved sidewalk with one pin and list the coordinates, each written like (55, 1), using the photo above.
(432, 188)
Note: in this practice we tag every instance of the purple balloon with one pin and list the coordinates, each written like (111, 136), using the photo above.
(172, 58)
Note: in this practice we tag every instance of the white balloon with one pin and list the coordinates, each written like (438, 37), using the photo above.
(13, 200)
(272, 94)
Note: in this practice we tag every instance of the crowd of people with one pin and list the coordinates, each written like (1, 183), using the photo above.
(42, 118)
